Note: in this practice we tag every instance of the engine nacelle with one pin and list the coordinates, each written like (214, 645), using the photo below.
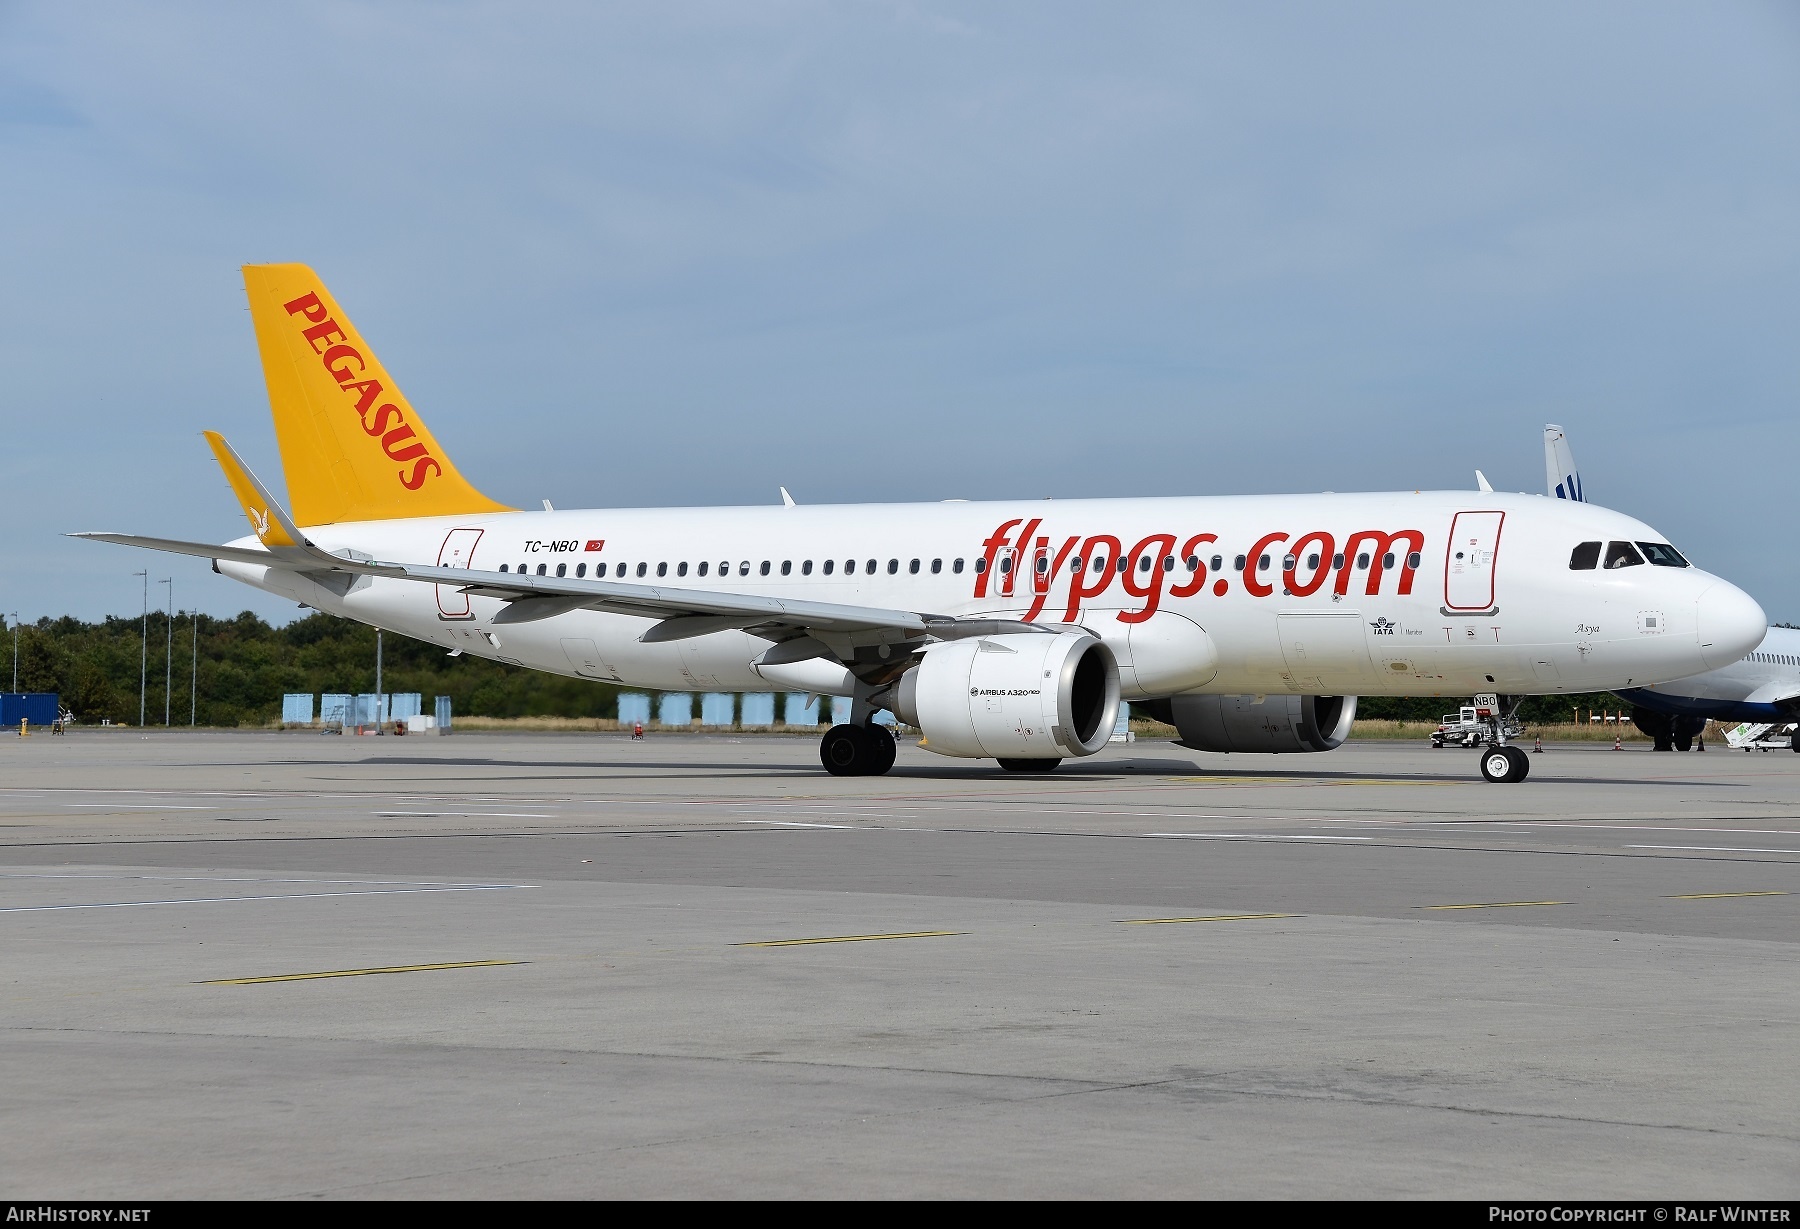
(1245, 723)
(1021, 696)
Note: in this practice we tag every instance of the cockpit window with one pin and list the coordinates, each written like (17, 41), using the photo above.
(1662, 555)
(1622, 555)
(1585, 557)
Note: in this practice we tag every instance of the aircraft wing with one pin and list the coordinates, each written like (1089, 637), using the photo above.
(681, 613)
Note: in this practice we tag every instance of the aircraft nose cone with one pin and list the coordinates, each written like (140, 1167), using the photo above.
(1729, 623)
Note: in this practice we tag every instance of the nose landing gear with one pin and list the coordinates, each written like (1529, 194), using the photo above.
(857, 750)
(1504, 764)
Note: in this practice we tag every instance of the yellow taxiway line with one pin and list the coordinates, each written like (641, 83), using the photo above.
(1721, 895)
(398, 968)
(1498, 904)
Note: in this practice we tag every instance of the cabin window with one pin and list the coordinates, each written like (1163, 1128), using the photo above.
(1622, 555)
(1237, 564)
(681, 568)
(1262, 563)
(956, 566)
(744, 567)
(662, 569)
(581, 570)
(1387, 560)
(1362, 560)
(787, 567)
(1312, 560)
(980, 566)
(503, 567)
(1413, 559)
(764, 569)
(1042, 565)
(619, 571)
(1218, 563)
(1168, 563)
(1662, 555)
(1124, 564)
(1289, 562)
(870, 566)
(937, 566)
(1099, 563)
(893, 567)
(1337, 560)
(641, 568)
(1585, 557)
(830, 564)
(1143, 563)
(701, 568)
(540, 569)
(562, 569)
(806, 567)
(1193, 563)
(913, 567)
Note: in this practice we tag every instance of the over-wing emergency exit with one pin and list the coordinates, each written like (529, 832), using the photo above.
(1007, 630)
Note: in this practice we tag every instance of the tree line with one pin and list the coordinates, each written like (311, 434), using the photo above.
(245, 666)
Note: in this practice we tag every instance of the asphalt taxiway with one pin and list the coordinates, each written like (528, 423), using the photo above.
(259, 965)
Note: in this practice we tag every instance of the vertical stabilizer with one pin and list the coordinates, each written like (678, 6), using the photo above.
(352, 447)
(1561, 479)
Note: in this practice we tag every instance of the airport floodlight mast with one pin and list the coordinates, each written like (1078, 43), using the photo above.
(15, 621)
(144, 649)
(168, 650)
(194, 675)
(380, 703)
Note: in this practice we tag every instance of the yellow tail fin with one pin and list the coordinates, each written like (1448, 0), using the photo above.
(351, 445)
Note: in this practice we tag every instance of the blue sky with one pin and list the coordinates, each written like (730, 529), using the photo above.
(662, 253)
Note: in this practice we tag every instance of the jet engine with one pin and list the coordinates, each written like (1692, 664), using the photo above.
(1251, 723)
(1015, 696)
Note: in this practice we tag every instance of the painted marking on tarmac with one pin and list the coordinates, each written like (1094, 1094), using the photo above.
(1715, 848)
(1217, 917)
(1720, 895)
(1252, 836)
(217, 900)
(132, 806)
(461, 815)
(906, 934)
(1497, 904)
(397, 968)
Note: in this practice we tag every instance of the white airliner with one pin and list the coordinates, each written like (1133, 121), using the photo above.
(1007, 630)
(1762, 688)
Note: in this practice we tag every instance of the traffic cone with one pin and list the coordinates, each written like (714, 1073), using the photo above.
(1618, 742)
(1539, 748)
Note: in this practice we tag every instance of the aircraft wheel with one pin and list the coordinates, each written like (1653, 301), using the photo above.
(1664, 744)
(1497, 764)
(845, 751)
(881, 749)
(1684, 742)
(1012, 765)
(1521, 764)
(1794, 739)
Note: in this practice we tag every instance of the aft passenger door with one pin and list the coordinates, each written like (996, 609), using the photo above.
(1470, 558)
(458, 551)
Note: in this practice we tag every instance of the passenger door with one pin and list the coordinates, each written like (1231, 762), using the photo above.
(458, 551)
(1470, 560)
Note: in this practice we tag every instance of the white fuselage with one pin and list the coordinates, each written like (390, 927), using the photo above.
(1389, 594)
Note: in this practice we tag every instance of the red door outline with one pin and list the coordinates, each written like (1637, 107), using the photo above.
(1469, 538)
(458, 551)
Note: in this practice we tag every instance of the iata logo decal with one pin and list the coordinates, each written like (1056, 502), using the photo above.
(347, 366)
(1383, 626)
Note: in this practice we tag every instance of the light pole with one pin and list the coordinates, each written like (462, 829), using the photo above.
(194, 677)
(15, 619)
(380, 703)
(168, 650)
(144, 650)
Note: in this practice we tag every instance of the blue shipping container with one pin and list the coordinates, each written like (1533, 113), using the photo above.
(37, 707)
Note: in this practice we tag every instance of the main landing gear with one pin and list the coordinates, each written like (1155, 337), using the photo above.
(857, 750)
(1504, 764)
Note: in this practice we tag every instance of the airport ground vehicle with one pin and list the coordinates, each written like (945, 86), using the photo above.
(1461, 728)
(1008, 630)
